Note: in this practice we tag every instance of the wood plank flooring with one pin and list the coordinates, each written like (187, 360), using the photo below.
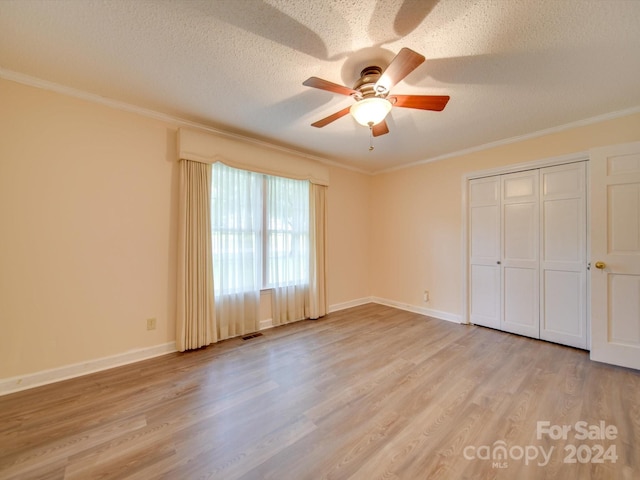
(364, 393)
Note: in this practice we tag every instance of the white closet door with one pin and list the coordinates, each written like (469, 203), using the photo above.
(562, 255)
(484, 228)
(519, 276)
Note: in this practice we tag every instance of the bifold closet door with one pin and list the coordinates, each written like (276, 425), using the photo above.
(484, 254)
(563, 275)
(528, 253)
(520, 249)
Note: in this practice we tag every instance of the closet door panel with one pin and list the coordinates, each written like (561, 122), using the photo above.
(562, 306)
(484, 271)
(563, 221)
(520, 234)
(563, 255)
(485, 223)
(521, 301)
(520, 253)
(485, 295)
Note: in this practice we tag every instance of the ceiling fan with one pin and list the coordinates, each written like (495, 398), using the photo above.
(371, 93)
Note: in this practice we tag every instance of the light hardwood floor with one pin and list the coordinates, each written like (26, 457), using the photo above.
(364, 393)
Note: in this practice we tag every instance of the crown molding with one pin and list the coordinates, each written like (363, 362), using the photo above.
(146, 112)
(178, 121)
(528, 136)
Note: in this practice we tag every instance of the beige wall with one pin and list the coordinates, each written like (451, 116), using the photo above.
(88, 219)
(417, 214)
(88, 199)
(348, 233)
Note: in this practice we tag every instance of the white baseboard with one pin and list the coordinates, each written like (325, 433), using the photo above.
(23, 382)
(351, 303)
(450, 317)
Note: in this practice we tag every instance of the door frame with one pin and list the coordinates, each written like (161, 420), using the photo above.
(513, 168)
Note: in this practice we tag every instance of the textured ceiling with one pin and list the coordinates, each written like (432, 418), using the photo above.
(511, 67)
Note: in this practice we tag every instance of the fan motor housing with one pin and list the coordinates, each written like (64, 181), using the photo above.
(365, 86)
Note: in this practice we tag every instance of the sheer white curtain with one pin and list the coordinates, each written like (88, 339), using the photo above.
(287, 247)
(236, 216)
(267, 232)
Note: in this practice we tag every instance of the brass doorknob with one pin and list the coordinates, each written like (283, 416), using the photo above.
(600, 265)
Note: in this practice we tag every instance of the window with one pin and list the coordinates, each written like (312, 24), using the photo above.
(287, 232)
(260, 230)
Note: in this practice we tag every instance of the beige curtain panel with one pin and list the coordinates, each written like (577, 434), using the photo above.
(318, 249)
(195, 320)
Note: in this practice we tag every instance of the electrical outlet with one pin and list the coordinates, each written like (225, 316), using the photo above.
(151, 323)
(426, 296)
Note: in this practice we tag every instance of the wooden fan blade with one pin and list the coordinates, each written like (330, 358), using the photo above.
(380, 129)
(331, 118)
(422, 102)
(316, 82)
(402, 65)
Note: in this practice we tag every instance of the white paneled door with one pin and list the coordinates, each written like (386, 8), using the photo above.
(615, 255)
(484, 268)
(519, 264)
(527, 251)
(563, 263)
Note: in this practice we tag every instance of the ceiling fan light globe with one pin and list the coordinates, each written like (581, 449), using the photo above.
(370, 111)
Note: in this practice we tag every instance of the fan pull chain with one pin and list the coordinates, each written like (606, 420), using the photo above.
(370, 137)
